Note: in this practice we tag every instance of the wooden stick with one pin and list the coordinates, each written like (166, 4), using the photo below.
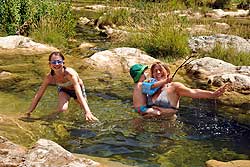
(184, 63)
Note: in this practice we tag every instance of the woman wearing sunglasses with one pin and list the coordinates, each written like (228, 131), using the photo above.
(69, 85)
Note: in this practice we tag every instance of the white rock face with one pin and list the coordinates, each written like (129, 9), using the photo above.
(21, 42)
(218, 72)
(119, 59)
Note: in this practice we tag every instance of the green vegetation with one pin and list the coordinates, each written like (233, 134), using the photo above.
(48, 21)
(230, 55)
(163, 34)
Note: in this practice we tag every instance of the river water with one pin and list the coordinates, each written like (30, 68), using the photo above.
(198, 134)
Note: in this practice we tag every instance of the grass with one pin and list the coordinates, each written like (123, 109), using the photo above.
(48, 32)
(230, 55)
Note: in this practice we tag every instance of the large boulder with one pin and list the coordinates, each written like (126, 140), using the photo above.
(217, 72)
(49, 153)
(11, 154)
(236, 163)
(208, 43)
(119, 60)
(24, 44)
(46, 153)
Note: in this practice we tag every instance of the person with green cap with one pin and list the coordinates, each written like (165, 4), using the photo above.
(143, 88)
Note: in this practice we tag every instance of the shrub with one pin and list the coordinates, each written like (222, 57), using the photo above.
(14, 13)
(230, 55)
(165, 37)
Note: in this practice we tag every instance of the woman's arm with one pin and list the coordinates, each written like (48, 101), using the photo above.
(83, 103)
(182, 90)
(38, 95)
(161, 82)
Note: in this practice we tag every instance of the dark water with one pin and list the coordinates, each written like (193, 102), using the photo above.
(197, 136)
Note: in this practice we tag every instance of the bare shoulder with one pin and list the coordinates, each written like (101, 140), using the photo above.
(49, 76)
(71, 71)
(176, 84)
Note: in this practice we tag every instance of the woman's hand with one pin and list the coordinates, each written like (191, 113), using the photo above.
(221, 90)
(90, 117)
(28, 114)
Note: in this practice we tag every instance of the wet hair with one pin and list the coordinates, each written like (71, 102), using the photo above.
(52, 72)
(163, 66)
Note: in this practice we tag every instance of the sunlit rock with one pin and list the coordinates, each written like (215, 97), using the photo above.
(119, 59)
(24, 44)
(236, 163)
(219, 13)
(49, 153)
(219, 25)
(4, 74)
(218, 72)
(10, 153)
(207, 43)
(86, 45)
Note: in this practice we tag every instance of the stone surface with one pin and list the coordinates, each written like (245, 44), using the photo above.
(236, 163)
(119, 59)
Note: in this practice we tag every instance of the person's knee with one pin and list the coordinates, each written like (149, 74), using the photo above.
(62, 109)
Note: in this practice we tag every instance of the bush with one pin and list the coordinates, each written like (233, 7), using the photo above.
(39, 16)
(230, 55)
(165, 37)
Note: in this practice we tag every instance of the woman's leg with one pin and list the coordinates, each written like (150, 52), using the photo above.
(63, 101)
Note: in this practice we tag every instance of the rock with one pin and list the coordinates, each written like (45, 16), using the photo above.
(218, 72)
(10, 153)
(219, 25)
(49, 153)
(96, 7)
(4, 74)
(119, 59)
(198, 29)
(208, 43)
(23, 43)
(85, 46)
(219, 13)
(236, 163)
(209, 66)
(83, 21)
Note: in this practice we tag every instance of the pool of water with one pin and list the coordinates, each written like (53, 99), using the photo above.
(197, 136)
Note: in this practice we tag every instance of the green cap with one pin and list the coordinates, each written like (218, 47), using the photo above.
(136, 71)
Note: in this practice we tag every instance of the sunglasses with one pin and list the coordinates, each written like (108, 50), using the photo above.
(56, 62)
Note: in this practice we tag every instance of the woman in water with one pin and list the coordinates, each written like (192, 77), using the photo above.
(168, 96)
(69, 85)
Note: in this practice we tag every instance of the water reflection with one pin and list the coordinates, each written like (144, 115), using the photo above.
(196, 136)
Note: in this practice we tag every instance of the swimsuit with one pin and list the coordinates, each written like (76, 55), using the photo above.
(161, 101)
(71, 93)
(65, 84)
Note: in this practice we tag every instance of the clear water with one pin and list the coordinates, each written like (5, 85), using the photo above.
(198, 134)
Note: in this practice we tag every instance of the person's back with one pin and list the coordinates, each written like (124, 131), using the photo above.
(139, 99)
